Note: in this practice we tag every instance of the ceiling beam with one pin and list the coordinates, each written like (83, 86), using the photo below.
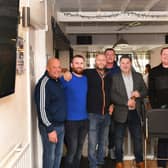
(114, 29)
(151, 4)
(103, 16)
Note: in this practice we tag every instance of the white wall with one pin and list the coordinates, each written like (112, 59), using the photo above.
(49, 34)
(40, 61)
(13, 114)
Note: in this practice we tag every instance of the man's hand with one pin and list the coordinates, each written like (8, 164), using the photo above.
(135, 94)
(67, 76)
(52, 136)
(111, 109)
(131, 103)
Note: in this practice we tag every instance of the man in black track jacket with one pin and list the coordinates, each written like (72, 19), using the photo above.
(51, 108)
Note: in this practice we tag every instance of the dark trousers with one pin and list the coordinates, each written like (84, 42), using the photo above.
(75, 133)
(134, 125)
(162, 152)
(111, 134)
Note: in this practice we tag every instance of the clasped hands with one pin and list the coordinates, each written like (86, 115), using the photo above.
(132, 101)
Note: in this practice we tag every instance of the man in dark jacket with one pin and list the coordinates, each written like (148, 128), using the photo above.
(51, 108)
(98, 101)
(158, 95)
(128, 90)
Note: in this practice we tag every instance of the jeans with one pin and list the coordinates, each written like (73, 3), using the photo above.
(98, 132)
(75, 133)
(52, 152)
(134, 125)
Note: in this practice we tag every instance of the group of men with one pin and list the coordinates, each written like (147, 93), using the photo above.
(90, 101)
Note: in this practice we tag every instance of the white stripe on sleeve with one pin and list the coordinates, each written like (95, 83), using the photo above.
(42, 102)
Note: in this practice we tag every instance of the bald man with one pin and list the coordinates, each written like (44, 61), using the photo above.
(51, 108)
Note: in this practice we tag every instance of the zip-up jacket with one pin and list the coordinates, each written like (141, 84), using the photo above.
(98, 97)
(50, 102)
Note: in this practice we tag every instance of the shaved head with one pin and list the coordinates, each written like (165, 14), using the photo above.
(52, 61)
(54, 68)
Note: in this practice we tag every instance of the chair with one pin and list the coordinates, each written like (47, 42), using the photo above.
(156, 125)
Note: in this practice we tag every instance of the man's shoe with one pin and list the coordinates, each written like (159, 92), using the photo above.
(140, 165)
(119, 165)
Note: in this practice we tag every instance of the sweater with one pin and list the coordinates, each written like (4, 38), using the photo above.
(76, 97)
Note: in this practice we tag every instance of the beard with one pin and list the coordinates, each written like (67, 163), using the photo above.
(100, 68)
(78, 71)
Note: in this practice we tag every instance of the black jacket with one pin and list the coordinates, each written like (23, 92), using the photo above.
(50, 102)
(98, 98)
(158, 87)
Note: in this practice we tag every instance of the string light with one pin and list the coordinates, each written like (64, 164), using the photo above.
(92, 15)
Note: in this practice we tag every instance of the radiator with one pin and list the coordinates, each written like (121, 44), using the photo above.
(19, 157)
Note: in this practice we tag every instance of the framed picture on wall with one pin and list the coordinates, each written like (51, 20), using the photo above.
(20, 56)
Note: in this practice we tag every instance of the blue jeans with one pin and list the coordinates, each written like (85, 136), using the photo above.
(134, 125)
(52, 152)
(98, 132)
(75, 133)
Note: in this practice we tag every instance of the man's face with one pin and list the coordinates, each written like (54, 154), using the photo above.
(125, 65)
(164, 57)
(77, 65)
(54, 68)
(110, 56)
(100, 62)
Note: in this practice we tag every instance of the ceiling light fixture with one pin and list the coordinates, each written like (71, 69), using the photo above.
(121, 42)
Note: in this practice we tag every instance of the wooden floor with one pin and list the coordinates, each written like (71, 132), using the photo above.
(111, 164)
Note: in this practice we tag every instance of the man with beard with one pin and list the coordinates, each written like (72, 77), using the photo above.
(98, 109)
(76, 126)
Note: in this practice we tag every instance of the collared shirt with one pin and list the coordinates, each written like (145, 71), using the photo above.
(128, 81)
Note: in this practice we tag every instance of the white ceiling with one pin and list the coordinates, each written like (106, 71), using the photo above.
(111, 17)
(112, 5)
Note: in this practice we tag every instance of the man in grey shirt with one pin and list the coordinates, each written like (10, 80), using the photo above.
(127, 91)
